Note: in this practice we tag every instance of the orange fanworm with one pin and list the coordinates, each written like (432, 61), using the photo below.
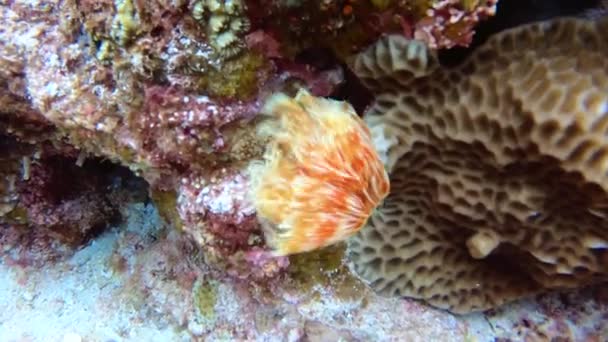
(321, 178)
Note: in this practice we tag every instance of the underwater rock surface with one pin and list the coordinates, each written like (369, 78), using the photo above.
(142, 281)
(127, 132)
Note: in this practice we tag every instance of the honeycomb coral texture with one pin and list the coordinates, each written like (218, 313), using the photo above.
(498, 167)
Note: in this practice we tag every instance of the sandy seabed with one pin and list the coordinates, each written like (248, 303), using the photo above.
(83, 299)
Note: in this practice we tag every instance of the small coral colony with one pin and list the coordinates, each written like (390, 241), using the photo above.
(290, 126)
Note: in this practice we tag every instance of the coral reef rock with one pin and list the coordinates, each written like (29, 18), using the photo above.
(498, 166)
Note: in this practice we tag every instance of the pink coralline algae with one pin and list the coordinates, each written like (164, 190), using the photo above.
(264, 43)
(217, 213)
(58, 201)
(349, 26)
(447, 24)
(72, 212)
(216, 210)
(442, 24)
(264, 264)
(185, 126)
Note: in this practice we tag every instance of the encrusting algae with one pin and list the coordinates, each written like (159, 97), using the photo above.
(322, 177)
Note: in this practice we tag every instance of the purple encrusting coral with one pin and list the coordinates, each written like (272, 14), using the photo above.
(89, 89)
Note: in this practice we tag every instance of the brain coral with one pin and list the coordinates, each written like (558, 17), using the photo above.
(498, 166)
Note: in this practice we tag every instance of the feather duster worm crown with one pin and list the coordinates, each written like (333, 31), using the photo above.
(321, 178)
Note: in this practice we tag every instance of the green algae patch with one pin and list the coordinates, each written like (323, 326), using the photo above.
(235, 79)
(204, 294)
(166, 202)
(324, 268)
(18, 215)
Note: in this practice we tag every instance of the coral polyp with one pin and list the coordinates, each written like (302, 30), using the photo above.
(322, 177)
(224, 22)
(126, 22)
